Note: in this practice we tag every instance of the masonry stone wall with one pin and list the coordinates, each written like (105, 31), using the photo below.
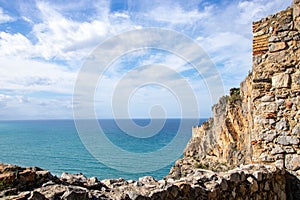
(275, 135)
(260, 121)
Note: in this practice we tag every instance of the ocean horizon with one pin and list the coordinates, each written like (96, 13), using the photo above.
(55, 145)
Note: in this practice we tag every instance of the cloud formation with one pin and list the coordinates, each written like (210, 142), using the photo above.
(4, 17)
(44, 44)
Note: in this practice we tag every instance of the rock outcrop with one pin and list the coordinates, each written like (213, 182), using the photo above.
(246, 182)
(250, 149)
(260, 121)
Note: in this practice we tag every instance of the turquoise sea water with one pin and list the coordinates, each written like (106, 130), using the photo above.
(56, 146)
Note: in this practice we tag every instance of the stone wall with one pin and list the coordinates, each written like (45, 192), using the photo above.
(276, 90)
(246, 182)
(260, 121)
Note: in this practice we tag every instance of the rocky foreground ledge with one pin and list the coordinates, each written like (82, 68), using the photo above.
(245, 182)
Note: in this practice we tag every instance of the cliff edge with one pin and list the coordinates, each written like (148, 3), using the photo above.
(250, 149)
(260, 121)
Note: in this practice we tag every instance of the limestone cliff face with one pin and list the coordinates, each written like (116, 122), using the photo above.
(260, 121)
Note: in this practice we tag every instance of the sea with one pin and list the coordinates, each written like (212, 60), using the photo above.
(55, 145)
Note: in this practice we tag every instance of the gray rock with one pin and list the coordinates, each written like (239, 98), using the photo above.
(273, 47)
(289, 149)
(287, 140)
(292, 162)
(277, 150)
(274, 39)
(268, 136)
(296, 78)
(138, 184)
(74, 179)
(267, 98)
(268, 107)
(280, 102)
(75, 194)
(272, 121)
(147, 179)
(281, 80)
(296, 130)
(282, 125)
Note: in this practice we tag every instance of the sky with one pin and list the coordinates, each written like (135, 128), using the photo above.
(44, 45)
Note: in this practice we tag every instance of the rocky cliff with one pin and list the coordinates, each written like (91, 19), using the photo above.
(260, 121)
(256, 130)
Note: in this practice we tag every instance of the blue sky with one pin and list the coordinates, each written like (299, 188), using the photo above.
(43, 45)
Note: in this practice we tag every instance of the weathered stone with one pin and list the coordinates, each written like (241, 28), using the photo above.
(268, 107)
(268, 136)
(267, 98)
(296, 10)
(274, 39)
(74, 179)
(281, 81)
(282, 125)
(292, 162)
(296, 130)
(253, 185)
(296, 78)
(287, 140)
(273, 47)
(277, 150)
(279, 164)
(75, 195)
(289, 149)
(147, 179)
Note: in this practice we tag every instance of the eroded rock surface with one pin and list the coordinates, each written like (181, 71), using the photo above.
(258, 122)
(245, 182)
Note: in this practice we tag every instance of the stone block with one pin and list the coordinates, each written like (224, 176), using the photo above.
(296, 130)
(292, 162)
(281, 80)
(267, 98)
(296, 10)
(287, 140)
(297, 24)
(296, 80)
(273, 47)
(277, 150)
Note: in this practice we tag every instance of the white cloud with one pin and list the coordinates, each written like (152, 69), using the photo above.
(4, 17)
(59, 34)
(58, 37)
(62, 38)
(15, 45)
(29, 75)
(174, 14)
